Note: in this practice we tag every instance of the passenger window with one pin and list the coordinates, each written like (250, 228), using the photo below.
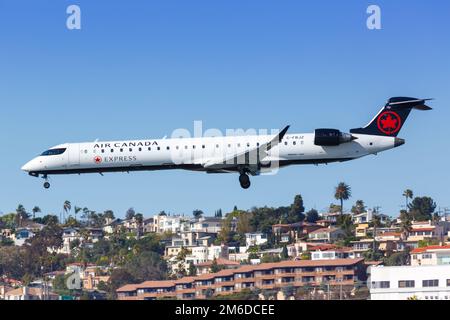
(185, 147)
(285, 143)
(103, 150)
(217, 145)
(131, 149)
(178, 147)
(203, 146)
(168, 148)
(193, 147)
(149, 149)
(294, 143)
(159, 148)
(248, 144)
(140, 149)
(112, 150)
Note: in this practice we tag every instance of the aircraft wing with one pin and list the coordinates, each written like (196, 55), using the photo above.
(248, 158)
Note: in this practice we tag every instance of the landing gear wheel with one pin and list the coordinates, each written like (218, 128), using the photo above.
(46, 185)
(244, 180)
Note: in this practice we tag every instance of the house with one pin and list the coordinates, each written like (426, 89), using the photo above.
(337, 253)
(288, 233)
(327, 235)
(163, 223)
(366, 217)
(30, 293)
(330, 217)
(424, 282)
(255, 239)
(22, 235)
(361, 230)
(361, 246)
(69, 235)
(112, 226)
(425, 230)
(206, 225)
(148, 225)
(92, 276)
(431, 255)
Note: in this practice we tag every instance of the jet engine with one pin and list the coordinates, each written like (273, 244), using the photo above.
(331, 137)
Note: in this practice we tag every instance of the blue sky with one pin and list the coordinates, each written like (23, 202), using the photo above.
(140, 69)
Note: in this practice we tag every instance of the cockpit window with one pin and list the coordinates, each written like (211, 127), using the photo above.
(54, 152)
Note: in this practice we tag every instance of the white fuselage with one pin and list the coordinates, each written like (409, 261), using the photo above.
(194, 153)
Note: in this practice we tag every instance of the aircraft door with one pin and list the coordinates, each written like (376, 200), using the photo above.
(74, 155)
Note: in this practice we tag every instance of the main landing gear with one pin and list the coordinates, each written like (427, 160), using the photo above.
(46, 183)
(244, 180)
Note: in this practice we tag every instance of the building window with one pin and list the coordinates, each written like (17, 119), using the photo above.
(406, 284)
(426, 256)
(448, 282)
(430, 283)
(381, 284)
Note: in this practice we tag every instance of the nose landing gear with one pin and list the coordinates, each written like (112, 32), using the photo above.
(244, 180)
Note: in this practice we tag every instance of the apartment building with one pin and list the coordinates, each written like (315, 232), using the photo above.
(427, 278)
(266, 276)
(430, 282)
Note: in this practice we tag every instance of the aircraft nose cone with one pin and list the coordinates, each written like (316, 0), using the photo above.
(398, 142)
(26, 167)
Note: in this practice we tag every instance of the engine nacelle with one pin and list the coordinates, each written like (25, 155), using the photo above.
(331, 137)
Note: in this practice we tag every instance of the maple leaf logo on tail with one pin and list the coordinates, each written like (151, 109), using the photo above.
(389, 122)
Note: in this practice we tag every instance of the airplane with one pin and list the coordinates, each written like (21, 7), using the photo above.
(245, 155)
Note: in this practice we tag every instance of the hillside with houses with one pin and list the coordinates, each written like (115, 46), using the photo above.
(261, 253)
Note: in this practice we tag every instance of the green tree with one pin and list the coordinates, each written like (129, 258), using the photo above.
(130, 214)
(312, 216)
(422, 208)
(296, 212)
(342, 192)
(215, 267)
(197, 213)
(284, 253)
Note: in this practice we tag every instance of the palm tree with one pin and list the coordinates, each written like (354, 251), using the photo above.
(67, 207)
(342, 192)
(76, 211)
(408, 194)
(21, 214)
(35, 210)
